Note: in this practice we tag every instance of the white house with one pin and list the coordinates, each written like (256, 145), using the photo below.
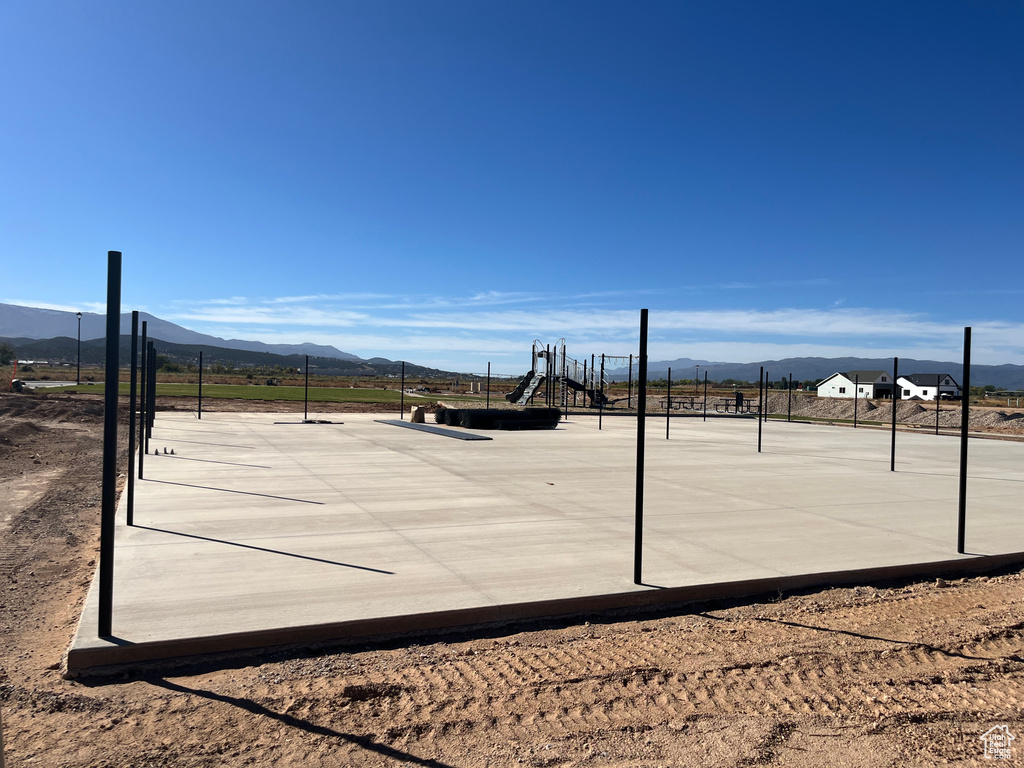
(861, 384)
(925, 386)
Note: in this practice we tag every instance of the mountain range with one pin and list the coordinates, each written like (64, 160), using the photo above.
(35, 323)
(52, 335)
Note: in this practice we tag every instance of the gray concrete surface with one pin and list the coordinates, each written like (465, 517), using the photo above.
(258, 533)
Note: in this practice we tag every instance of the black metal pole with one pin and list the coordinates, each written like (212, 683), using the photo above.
(143, 397)
(78, 367)
(585, 383)
(856, 397)
(109, 492)
(488, 384)
(705, 395)
(401, 406)
(641, 416)
(895, 402)
(668, 403)
(965, 420)
(938, 378)
(601, 382)
(549, 389)
(200, 411)
(629, 393)
(600, 400)
(789, 399)
(151, 410)
(305, 394)
(760, 405)
(131, 419)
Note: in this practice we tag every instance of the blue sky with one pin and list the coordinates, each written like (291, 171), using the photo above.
(443, 182)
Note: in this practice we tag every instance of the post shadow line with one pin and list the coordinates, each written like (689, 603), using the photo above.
(219, 445)
(214, 461)
(229, 490)
(264, 549)
(253, 708)
(861, 636)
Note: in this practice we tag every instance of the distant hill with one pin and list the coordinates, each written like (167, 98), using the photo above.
(35, 323)
(64, 349)
(817, 368)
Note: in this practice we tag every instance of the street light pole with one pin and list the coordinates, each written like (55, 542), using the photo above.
(78, 369)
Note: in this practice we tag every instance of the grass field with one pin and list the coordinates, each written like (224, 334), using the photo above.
(245, 392)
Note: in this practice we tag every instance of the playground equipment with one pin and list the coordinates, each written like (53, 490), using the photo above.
(559, 377)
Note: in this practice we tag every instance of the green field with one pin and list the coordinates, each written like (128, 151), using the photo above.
(246, 392)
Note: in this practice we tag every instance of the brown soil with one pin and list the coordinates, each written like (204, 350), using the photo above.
(884, 675)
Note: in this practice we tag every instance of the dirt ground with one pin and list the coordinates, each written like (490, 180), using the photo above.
(907, 674)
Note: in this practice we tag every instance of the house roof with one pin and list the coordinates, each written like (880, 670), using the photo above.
(928, 379)
(866, 376)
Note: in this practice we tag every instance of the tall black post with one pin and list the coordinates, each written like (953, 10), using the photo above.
(668, 403)
(789, 399)
(856, 397)
(895, 402)
(705, 395)
(401, 406)
(760, 405)
(305, 394)
(549, 389)
(78, 365)
(151, 389)
(143, 397)
(199, 413)
(131, 418)
(602, 378)
(641, 416)
(938, 378)
(629, 392)
(585, 383)
(488, 384)
(965, 420)
(109, 492)
(600, 399)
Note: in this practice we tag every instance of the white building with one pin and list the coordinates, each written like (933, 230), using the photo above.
(861, 384)
(925, 386)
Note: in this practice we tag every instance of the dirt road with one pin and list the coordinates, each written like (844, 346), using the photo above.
(896, 674)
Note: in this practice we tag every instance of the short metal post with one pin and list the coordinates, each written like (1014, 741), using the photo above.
(488, 384)
(895, 403)
(965, 420)
(109, 487)
(199, 413)
(668, 403)
(760, 406)
(401, 406)
(143, 397)
(705, 395)
(856, 397)
(131, 419)
(305, 394)
(629, 392)
(638, 527)
(789, 399)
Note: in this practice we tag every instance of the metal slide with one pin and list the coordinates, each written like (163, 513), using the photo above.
(517, 393)
(596, 396)
(535, 382)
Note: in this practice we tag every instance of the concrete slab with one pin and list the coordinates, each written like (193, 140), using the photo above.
(255, 534)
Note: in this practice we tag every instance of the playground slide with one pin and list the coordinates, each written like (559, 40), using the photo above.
(517, 393)
(596, 397)
(535, 382)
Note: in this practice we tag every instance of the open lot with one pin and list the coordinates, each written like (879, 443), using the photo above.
(900, 674)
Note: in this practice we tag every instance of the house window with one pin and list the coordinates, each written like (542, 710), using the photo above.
(861, 389)
(842, 390)
(884, 379)
(924, 392)
(906, 393)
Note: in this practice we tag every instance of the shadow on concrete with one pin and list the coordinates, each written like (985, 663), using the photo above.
(214, 461)
(365, 742)
(219, 445)
(264, 549)
(229, 490)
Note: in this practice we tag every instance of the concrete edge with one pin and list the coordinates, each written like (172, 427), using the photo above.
(106, 659)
